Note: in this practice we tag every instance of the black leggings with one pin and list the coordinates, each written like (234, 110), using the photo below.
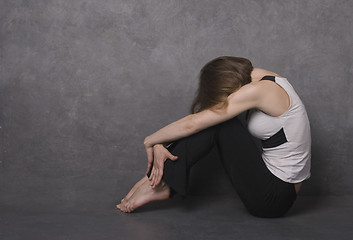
(262, 193)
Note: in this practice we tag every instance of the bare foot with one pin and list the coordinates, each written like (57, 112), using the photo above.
(144, 194)
(134, 188)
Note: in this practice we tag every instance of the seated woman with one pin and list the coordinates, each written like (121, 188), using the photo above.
(267, 182)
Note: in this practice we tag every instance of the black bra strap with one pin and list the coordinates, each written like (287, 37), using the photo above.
(272, 78)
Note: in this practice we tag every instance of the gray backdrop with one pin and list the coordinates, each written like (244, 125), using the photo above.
(83, 83)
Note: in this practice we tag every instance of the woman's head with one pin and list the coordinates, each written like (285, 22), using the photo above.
(218, 79)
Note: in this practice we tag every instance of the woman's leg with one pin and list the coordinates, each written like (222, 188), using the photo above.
(262, 193)
(189, 150)
(175, 174)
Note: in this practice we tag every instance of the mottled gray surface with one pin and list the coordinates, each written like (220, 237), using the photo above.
(196, 218)
(83, 82)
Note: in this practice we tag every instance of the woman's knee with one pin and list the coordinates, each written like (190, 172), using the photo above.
(235, 121)
(232, 125)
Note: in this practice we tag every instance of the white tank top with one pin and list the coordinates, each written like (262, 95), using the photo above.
(286, 139)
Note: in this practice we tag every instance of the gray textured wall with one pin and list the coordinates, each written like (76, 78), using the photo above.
(83, 82)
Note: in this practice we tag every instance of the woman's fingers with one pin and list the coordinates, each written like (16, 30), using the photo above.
(172, 157)
(149, 158)
(155, 175)
(159, 155)
(150, 177)
(160, 174)
(169, 155)
(152, 174)
(155, 179)
(148, 167)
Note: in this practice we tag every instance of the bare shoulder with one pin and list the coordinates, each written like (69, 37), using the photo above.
(249, 90)
(256, 95)
(248, 96)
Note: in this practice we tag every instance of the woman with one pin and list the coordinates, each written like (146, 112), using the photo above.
(267, 182)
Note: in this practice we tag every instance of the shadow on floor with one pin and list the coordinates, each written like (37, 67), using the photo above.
(305, 205)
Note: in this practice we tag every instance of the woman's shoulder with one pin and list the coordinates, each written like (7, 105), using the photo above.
(259, 73)
(259, 86)
(251, 92)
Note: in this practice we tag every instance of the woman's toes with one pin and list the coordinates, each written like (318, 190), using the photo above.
(122, 207)
(118, 206)
(126, 207)
(129, 209)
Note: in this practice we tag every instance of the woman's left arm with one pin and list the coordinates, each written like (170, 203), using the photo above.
(245, 98)
(176, 130)
(171, 132)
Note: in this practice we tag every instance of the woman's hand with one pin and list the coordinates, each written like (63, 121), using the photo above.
(149, 152)
(160, 154)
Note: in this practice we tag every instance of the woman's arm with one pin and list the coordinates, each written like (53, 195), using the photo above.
(247, 97)
(176, 130)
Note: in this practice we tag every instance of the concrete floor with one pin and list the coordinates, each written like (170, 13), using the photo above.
(196, 217)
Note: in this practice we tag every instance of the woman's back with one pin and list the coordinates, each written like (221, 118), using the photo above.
(286, 139)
